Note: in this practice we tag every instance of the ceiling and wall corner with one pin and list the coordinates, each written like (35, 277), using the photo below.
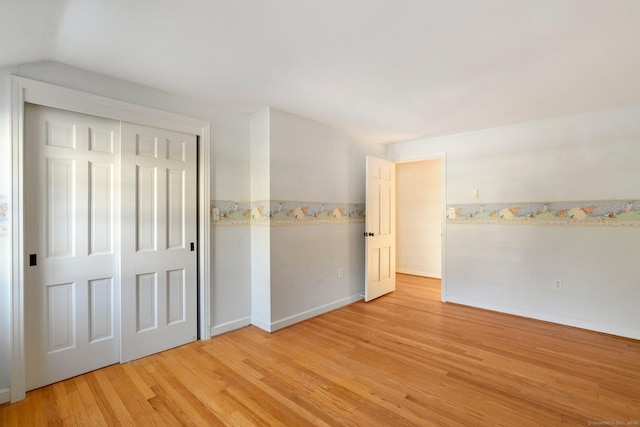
(371, 67)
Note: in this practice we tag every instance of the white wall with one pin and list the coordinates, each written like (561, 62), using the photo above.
(311, 161)
(260, 235)
(230, 163)
(511, 268)
(419, 218)
(308, 163)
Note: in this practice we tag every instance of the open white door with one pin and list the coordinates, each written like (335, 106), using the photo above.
(380, 225)
(159, 231)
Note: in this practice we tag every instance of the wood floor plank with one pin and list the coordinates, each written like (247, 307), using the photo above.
(142, 387)
(111, 397)
(402, 359)
(89, 402)
(183, 403)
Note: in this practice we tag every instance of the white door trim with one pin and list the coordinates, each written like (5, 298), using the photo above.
(442, 156)
(37, 92)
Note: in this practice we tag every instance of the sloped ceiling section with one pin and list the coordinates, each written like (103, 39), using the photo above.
(28, 30)
(383, 69)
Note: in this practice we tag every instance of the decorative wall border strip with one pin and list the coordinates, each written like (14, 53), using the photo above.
(4, 215)
(284, 213)
(603, 213)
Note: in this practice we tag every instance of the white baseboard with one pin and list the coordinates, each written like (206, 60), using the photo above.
(597, 327)
(419, 273)
(5, 395)
(288, 321)
(265, 326)
(223, 328)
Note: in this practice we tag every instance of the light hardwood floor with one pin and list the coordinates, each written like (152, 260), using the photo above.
(403, 359)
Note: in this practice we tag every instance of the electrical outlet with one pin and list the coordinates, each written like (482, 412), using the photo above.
(557, 284)
(340, 273)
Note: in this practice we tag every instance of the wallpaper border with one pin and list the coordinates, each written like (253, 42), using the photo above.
(4, 215)
(600, 213)
(284, 213)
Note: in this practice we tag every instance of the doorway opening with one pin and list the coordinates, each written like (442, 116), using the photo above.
(419, 218)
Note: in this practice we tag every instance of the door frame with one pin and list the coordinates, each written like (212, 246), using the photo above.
(25, 90)
(442, 156)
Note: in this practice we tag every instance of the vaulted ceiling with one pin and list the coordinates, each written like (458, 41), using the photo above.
(390, 70)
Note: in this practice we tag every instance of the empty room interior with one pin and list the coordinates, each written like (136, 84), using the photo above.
(320, 212)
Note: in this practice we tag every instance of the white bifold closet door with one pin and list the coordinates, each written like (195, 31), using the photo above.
(70, 279)
(159, 230)
(110, 242)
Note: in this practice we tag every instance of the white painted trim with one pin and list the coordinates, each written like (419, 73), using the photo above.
(418, 273)
(18, 385)
(265, 326)
(37, 92)
(204, 228)
(233, 325)
(51, 95)
(443, 227)
(290, 320)
(5, 395)
(545, 317)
